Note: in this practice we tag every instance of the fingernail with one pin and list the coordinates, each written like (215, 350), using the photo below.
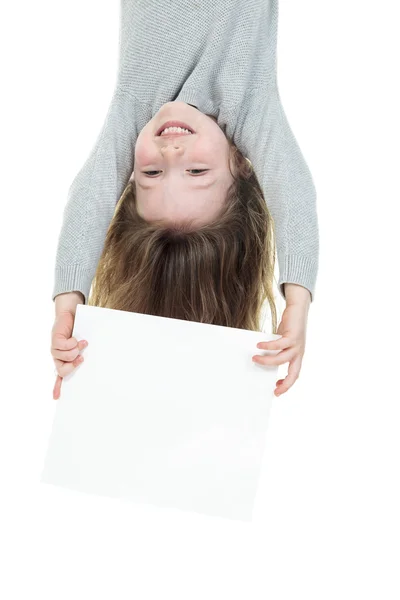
(84, 344)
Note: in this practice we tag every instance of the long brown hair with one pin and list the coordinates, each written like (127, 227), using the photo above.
(219, 273)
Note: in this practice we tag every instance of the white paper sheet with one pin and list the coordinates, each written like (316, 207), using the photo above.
(163, 411)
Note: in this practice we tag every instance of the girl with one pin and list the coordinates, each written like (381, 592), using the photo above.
(209, 177)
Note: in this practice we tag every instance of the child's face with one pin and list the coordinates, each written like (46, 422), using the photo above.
(174, 192)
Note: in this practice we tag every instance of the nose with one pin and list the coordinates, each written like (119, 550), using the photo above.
(172, 149)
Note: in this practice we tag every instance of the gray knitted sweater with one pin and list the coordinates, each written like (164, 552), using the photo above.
(220, 56)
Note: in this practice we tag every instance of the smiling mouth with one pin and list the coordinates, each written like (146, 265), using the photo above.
(175, 135)
(176, 129)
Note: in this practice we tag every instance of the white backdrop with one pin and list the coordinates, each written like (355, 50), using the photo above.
(327, 523)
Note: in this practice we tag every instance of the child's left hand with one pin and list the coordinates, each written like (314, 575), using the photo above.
(292, 328)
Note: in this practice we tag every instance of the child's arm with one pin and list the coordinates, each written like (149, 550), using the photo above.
(92, 197)
(268, 141)
(291, 195)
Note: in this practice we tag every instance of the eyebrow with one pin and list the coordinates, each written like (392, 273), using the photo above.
(196, 187)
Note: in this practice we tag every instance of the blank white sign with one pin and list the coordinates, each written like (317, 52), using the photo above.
(163, 411)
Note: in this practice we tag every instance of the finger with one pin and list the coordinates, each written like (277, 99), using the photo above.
(65, 368)
(291, 377)
(57, 388)
(281, 344)
(59, 341)
(278, 359)
(69, 355)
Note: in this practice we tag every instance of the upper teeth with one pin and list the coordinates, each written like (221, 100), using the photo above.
(175, 130)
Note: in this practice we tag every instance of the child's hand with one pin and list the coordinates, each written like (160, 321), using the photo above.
(64, 348)
(292, 345)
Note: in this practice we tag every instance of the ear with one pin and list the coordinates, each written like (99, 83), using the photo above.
(132, 177)
(232, 165)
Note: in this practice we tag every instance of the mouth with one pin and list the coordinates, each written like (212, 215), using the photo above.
(175, 128)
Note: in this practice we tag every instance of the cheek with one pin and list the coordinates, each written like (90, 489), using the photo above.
(139, 151)
(143, 148)
(211, 146)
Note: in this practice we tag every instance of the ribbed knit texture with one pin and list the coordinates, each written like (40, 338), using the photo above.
(220, 56)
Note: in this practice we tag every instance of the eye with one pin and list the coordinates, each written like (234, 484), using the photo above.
(153, 173)
(150, 173)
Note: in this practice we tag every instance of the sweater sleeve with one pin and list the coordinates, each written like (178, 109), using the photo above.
(269, 143)
(93, 195)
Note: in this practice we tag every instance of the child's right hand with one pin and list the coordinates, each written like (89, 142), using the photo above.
(65, 349)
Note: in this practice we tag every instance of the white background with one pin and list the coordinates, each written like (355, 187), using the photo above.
(327, 520)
